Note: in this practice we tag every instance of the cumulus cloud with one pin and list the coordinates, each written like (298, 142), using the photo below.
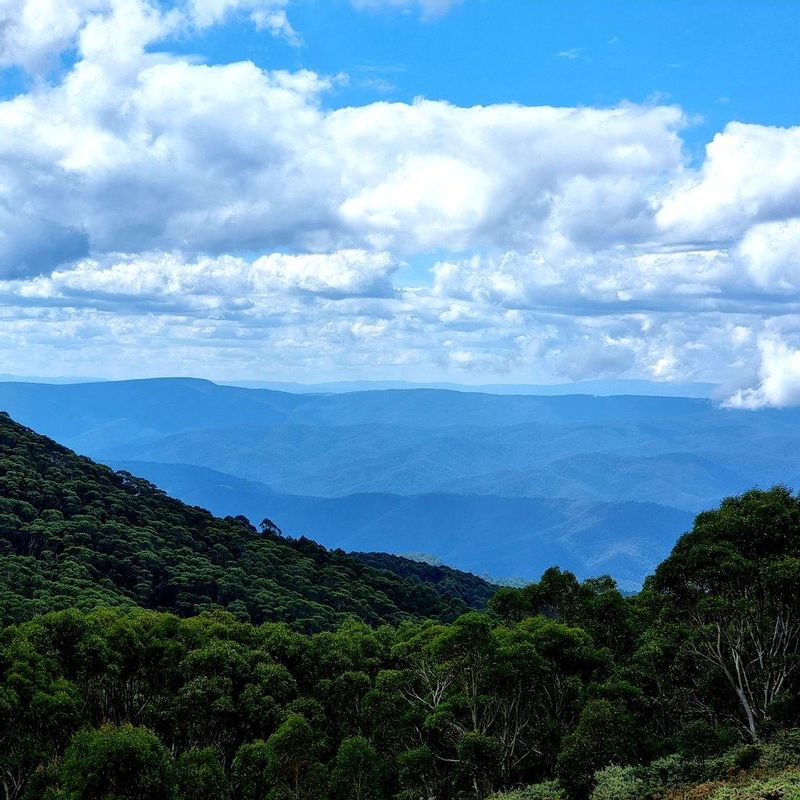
(126, 319)
(434, 175)
(165, 154)
(778, 377)
(770, 252)
(34, 32)
(151, 280)
(339, 314)
(760, 273)
(750, 175)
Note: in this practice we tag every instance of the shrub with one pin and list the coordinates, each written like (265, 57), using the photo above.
(547, 790)
(780, 787)
(782, 752)
(675, 770)
(619, 783)
(736, 760)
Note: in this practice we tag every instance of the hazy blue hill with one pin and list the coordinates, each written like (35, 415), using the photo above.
(686, 480)
(169, 405)
(502, 537)
(106, 412)
(596, 387)
(498, 536)
(436, 408)
(325, 461)
(688, 465)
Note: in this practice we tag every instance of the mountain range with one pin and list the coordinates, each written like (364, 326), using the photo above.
(498, 484)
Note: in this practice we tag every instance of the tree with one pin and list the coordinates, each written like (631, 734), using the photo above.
(605, 734)
(420, 775)
(250, 773)
(117, 763)
(357, 771)
(201, 775)
(734, 582)
(292, 768)
(38, 711)
(479, 761)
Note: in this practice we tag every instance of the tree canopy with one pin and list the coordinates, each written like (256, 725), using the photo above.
(150, 651)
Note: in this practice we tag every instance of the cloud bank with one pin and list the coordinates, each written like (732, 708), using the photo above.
(225, 220)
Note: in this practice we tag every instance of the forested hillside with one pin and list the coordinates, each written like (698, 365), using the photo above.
(560, 689)
(75, 534)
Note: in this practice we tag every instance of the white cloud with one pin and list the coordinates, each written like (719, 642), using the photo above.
(277, 23)
(428, 8)
(34, 32)
(751, 174)
(778, 377)
(125, 322)
(435, 175)
(150, 280)
(770, 253)
(147, 152)
(337, 314)
(566, 277)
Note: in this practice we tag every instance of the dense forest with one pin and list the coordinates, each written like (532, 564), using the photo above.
(152, 651)
(75, 534)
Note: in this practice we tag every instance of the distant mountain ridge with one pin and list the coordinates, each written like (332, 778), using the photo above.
(591, 387)
(597, 388)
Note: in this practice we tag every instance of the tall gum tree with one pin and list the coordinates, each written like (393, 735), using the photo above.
(733, 582)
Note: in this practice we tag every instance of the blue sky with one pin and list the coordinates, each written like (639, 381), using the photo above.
(721, 60)
(475, 191)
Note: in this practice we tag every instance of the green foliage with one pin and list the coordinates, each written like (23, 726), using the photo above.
(292, 769)
(605, 734)
(450, 583)
(357, 771)
(732, 585)
(250, 774)
(201, 775)
(618, 783)
(743, 771)
(148, 689)
(117, 763)
(782, 752)
(781, 787)
(546, 790)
